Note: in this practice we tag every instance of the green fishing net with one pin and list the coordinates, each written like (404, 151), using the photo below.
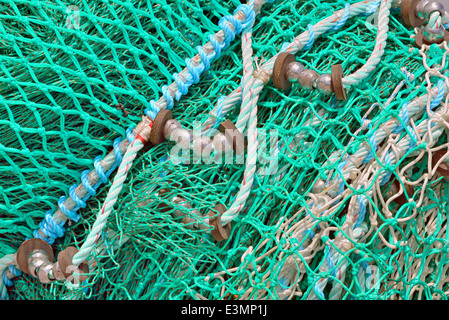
(59, 87)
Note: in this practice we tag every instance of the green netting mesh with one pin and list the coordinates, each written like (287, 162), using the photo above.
(58, 89)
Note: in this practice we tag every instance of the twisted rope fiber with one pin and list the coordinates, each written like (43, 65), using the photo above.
(404, 145)
(318, 288)
(230, 25)
(99, 224)
(336, 256)
(231, 213)
(111, 199)
(247, 117)
(438, 100)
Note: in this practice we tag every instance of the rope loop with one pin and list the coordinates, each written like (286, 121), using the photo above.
(342, 19)
(205, 58)
(194, 71)
(309, 44)
(167, 95)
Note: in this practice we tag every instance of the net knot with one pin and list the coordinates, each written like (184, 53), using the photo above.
(229, 33)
